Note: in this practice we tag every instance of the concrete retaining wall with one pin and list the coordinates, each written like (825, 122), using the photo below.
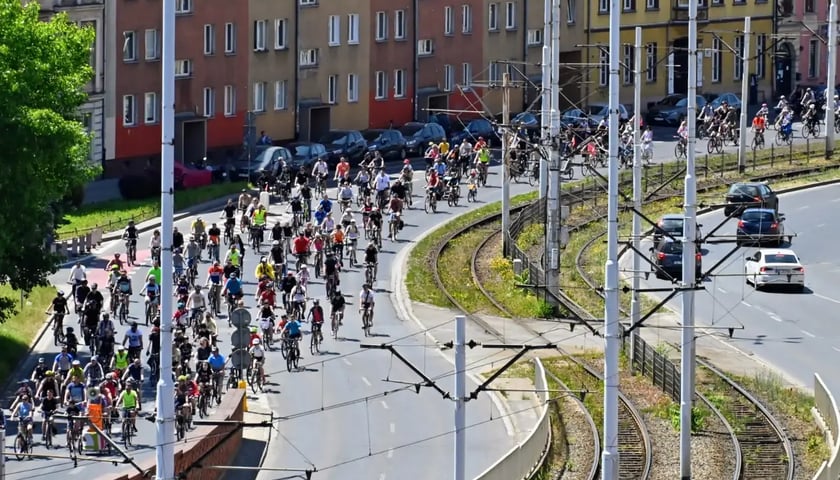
(828, 415)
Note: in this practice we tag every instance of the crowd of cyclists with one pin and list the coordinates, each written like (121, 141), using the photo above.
(322, 237)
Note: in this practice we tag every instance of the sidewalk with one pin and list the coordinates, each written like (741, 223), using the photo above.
(255, 441)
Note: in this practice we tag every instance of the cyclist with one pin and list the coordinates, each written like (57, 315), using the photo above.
(114, 261)
(178, 263)
(371, 254)
(434, 185)
(233, 288)
(366, 300)
(266, 320)
(303, 276)
(758, 125)
(93, 373)
(337, 237)
(49, 404)
(301, 247)
(78, 274)
(345, 195)
(233, 255)
(299, 300)
(342, 170)
(23, 411)
(291, 331)
(264, 269)
(130, 236)
(59, 310)
(288, 284)
(130, 401)
(316, 316)
(75, 391)
(331, 267)
(320, 170)
(63, 361)
(120, 361)
(647, 142)
(257, 358)
(152, 290)
(134, 339)
(134, 374)
(382, 184)
(337, 304)
(196, 304)
(40, 371)
(48, 384)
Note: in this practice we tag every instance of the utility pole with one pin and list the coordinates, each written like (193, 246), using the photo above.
(505, 159)
(687, 360)
(612, 330)
(165, 426)
(547, 87)
(460, 397)
(553, 215)
(832, 66)
(635, 301)
(745, 85)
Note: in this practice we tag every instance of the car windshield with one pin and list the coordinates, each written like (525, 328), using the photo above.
(595, 109)
(747, 190)
(671, 224)
(754, 216)
(410, 130)
(781, 258)
(476, 127)
(303, 150)
(670, 100)
(671, 248)
(336, 138)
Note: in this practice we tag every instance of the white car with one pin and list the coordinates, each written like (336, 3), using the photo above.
(774, 266)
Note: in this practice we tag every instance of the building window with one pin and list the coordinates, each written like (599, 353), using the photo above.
(717, 2)
(652, 4)
(259, 96)
(230, 101)
(399, 83)
(381, 85)
(809, 7)
(150, 108)
(309, 2)
(466, 75)
(813, 58)
(760, 53)
(230, 38)
(448, 21)
(183, 6)
(129, 47)
(466, 19)
(425, 47)
(353, 28)
(628, 69)
(209, 102)
(717, 60)
(493, 17)
(603, 6)
(183, 68)
(510, 16)
(652, 62)
(280, 28)
(259, 35)
(629, 5)
(352, 88)
(448, 78)
(738, 62)
(280, 95)
(399, 25)
(571, 11)
(209, 39)
(151, 44)
(381, 26)
(129, 114)
(603, 67)
(332, 89)
(493, 72)
(308, 57)
(535, 36)
(334, 30)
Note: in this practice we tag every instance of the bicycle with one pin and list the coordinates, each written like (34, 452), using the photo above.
(73, 436)
(293, 356)
(128, 426)
(215, 297)
(367, 319)
(370, 273)
(131, 250)
(123, 308)
(430, 203)
(58, 327)
(330, 285)
(811, 129)
(23, 441)
(151, 308)
(317, 338)
(784, 136)
(47, 428)
(393, 228)
(715, 144)
(351, 251)
(319, 262)
(204, 398)
(758, 141)
(335, 322)
(680, 150)
(472, 192)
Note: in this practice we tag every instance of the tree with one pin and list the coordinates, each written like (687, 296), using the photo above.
(44, 147)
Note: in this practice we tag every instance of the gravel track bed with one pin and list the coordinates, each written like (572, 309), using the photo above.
(580, 451)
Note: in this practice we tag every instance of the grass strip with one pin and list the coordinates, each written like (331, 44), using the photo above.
(20, 328)
(115, 214)
(454, 267)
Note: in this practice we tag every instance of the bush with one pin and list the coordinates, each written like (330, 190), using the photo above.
(138, 187)
(76, 196)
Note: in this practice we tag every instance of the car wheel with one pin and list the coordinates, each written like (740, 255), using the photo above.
(746, 277)
(755, 282)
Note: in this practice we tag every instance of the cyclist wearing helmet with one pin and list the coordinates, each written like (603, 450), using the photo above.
(337, 303)
(257, 357)
(93, 372)
(264, 269)
(59, 310)
(40, 370)
(114, 261)
(278, 253)
(316, 316)
(233, 287)
(48, 384)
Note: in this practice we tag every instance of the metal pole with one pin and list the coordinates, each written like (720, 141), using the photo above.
(635, 301)
(545, 108)
(612, 333)
(2, 454)
(688, 270)
(165, 449)
(460, 397)
(745, 84)
(505, 159)
(832, 74)
(553, 220)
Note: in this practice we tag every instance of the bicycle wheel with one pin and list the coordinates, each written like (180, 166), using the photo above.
(313, 343)
(284, 349)
(710, 145)
(334, 324)
(126, 432)
(20, 447)
(290, 360)
(69, 439)
(427, 204)
(366, 323)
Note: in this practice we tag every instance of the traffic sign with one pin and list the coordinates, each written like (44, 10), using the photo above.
(240, 317)
(241, 338)
(240, 359)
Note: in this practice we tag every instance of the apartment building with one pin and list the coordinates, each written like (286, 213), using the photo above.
(449, 57)
(503, 28)
(393, 40)
(98, 111)
(272, 63)
(665, 41)
(801, 55)
(211, 86)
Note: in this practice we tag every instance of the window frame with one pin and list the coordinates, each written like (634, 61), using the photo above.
(260, 34)
(466, 19)
(281, 33)
(332, 89)
(208, 98)
(448, 21)
(380, 85)
(132, 101)
(603, 68)
(510, 16)
(399, 25)
(352, 88)
(155, 48)
(280, 95)
(229, 101)
(448, 78)
(230, 38)
(651, 56)
(493, 17)
(399, 83)
(154, 108)
(381, 32)
(353, 29)
(334, 30)
(129, 56)
(209, 37)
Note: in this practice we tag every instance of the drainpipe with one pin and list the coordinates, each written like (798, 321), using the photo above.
(416, 65)
(525, 51)
(297, 71)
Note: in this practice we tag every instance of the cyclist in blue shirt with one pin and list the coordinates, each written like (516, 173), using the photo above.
(326, 204)
(152, 289)
(63, 361)
(233, 286)
(23, 410)
(292, 328)
(216, 360)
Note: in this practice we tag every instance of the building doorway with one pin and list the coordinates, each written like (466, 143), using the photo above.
(437, 104)
(680, 65)
(784, 60)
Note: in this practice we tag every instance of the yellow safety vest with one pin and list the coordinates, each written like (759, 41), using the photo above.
(259, 217)
(234, 258)
(121, 362)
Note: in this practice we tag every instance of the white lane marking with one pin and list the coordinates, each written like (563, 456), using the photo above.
(836, 200)
(775, 317)
(836, 349)
(367, 382)
(809, 334)
(820, 225)
(721, 290)
(393, 427)
(827, 298)
(346, 362)
(390, 453)
(745, 303)
(381, 476)
(804, 207)
(385, 405)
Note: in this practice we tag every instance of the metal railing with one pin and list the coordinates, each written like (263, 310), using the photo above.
(826, 407)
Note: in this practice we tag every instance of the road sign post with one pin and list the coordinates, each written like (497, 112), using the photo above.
(240, 339)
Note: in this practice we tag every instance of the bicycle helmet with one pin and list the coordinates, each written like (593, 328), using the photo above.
(276, 242)
(316, 302)
(49, 373)
(60, 293)
(41, 360)
(182, 378)
(253, 329)
(76, 363)
(256, 341)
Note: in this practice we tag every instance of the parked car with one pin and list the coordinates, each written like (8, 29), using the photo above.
(188, 176)
(306, 154)
(478, 128)
(733, 100)
(671, 224)
(674, 113)
(575, 118)
(774, 267)
(443, 120)
(528, 123)
(598, 111)
(265, 158)
(744, 195)
(418, 136)
(389, 142)
(666, 260)
(760, 226)
(344, 143)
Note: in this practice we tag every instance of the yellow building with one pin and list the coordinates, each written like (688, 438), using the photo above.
(665, 40)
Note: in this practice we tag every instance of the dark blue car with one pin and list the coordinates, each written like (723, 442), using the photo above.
(666, 260)
(761, 226)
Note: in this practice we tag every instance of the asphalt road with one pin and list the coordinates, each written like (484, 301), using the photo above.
(794, 332)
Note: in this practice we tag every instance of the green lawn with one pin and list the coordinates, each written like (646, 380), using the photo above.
(18, 330)
(114, 215)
